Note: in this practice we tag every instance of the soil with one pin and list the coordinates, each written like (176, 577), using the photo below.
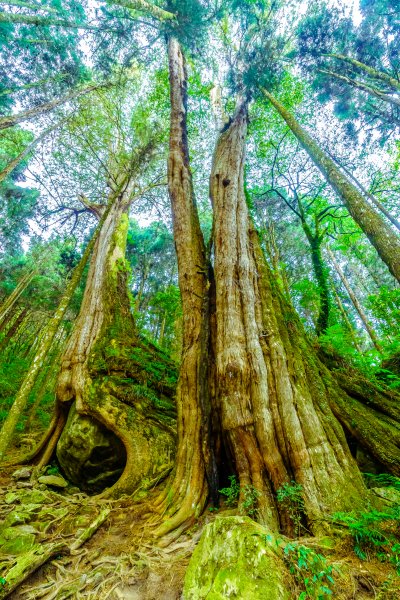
(123, 560)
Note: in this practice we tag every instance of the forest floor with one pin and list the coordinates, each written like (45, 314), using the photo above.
(122, 560)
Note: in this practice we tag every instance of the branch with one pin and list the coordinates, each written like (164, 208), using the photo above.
(145, 7)
(16, 161)
(370, 70)
(362, 86)
(29, 5)
(45, 21)
(11, 120)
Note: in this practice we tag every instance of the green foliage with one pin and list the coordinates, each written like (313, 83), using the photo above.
(250, 501)
(290, 497)
(311, 572)
(382, 480)
(232, 492)
(374, 534)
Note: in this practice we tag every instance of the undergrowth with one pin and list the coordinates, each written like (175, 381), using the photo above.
(375, 534)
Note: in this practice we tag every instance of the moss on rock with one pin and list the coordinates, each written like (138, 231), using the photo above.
(236, 558)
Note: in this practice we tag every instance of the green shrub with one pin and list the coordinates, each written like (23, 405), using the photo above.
(373, 534)
(232, 492)
(290, 497)
(311, 571)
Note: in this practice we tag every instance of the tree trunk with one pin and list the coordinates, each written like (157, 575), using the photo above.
(14, 328)
(188, 490)
(11, 300)
(44, 346)
(110, 380)
(271, 394)
(346, 319)
(367, 194)
(380, 234)
(320, 273)
(355, 301)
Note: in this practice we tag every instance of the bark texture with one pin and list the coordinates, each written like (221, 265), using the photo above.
(43, 348)
(112, 377)
(188, 489)
(272, 396)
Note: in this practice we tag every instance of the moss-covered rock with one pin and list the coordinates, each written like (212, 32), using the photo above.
(19, 544)
(388, 496)
(236, 558)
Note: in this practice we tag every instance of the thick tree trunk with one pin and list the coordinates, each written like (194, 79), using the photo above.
(188, 490)
(273, 399)
(355, 301)
(111, 378)
(380, 234)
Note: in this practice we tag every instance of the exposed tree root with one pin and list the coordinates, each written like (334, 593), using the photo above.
(29, 562)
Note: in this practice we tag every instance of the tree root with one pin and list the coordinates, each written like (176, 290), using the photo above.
(28, 563)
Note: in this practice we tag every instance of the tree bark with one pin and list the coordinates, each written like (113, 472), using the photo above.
(187, 493)
(355, 301)
(381, 236)
(273, 400)
(111, 376)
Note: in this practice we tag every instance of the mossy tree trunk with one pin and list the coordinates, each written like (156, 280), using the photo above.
(380, 234)
(43, 347)
(108, 374)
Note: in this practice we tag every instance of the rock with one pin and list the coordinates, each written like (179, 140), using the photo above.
(18, 545)
(34, 497)
(16, 517)
(389, 494)
(236, 558)
(53, 480)
(9, 533)
(24, 484)
(11, 498)
(23, 473)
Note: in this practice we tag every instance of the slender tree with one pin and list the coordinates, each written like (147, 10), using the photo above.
(385, 240)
